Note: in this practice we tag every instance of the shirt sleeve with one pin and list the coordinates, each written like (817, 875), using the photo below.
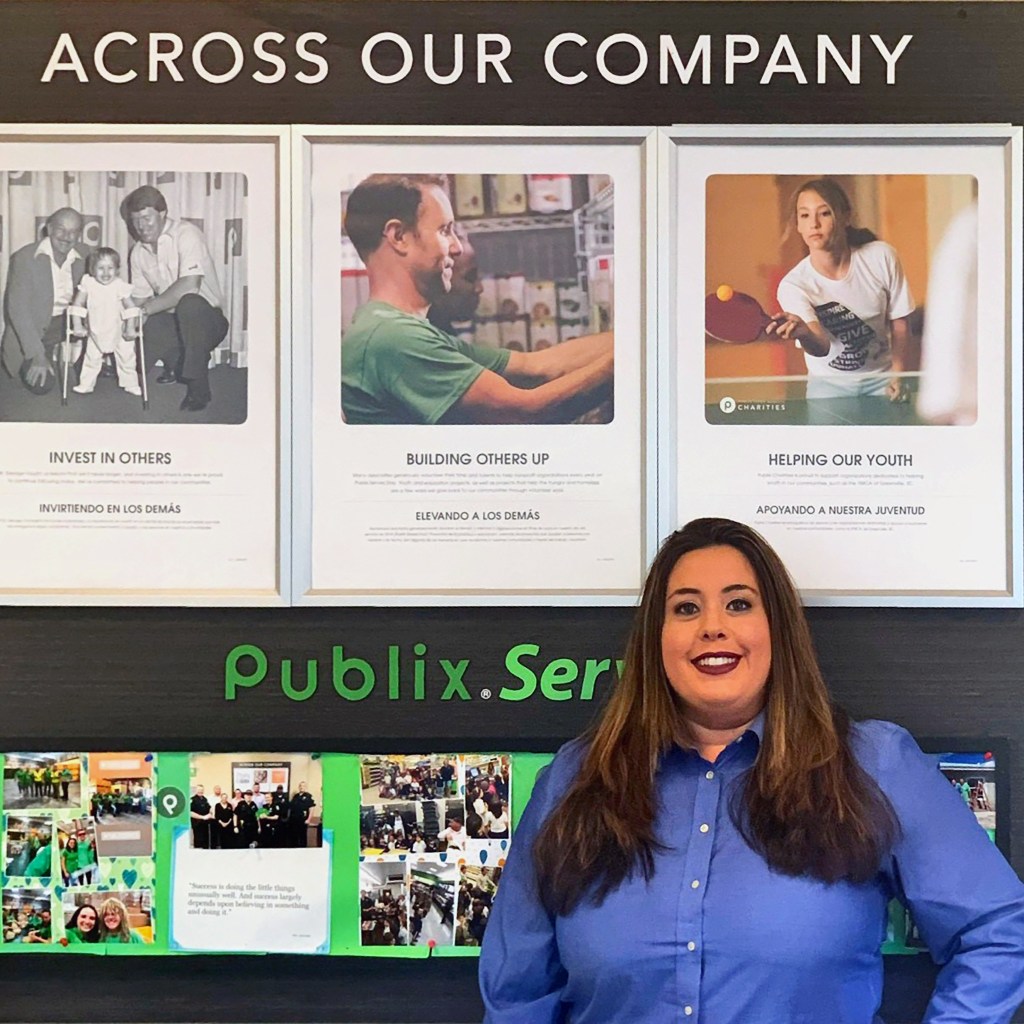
(521, 974)
(901, 302)
(192, 254)
(793, 299)
(965, 898)
(426, 375)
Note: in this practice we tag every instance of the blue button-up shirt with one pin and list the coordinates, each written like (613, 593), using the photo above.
(717, 937)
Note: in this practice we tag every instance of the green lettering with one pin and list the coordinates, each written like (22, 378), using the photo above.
(233, 678)
(521, 672)
(455, 674)
(342, 666)
(292, 692)
(592, 670)
(558, 674)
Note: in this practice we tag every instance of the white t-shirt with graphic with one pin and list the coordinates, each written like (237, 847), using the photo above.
(855, 311)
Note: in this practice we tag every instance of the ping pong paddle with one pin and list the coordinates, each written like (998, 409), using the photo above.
(737, 321)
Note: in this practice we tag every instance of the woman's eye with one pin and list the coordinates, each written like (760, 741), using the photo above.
(686, 608)
(739, 604)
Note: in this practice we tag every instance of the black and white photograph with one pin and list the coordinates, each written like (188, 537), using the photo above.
(124, 296)
(42, 780)
(28, 847)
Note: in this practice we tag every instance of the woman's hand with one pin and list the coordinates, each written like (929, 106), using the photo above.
(787, 325)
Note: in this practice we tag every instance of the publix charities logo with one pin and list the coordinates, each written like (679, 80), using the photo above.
(410, 674)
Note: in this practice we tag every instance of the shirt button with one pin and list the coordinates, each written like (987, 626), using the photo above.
(691, 946)
(705, 828)
(709, 775)
(688, 1010)
(695, 884)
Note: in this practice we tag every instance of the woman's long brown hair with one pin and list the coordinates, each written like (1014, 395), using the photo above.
(806, 806)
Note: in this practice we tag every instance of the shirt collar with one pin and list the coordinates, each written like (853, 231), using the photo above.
(44, 248)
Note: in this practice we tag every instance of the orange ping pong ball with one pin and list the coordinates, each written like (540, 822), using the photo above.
(724, 293)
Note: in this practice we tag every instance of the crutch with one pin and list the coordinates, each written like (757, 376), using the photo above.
(65, 348)
(135, 332)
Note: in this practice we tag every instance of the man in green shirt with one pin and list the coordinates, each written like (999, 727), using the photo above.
(398, 368)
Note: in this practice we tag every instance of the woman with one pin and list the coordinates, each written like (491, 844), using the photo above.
(114, 923)
(846, 303)
(69, 861)
(496, 820)
(723, 844)
(83, 926)
(224, 824)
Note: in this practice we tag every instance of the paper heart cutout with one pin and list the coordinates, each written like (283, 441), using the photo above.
(58, 891)
(113, 881)
(130, 876)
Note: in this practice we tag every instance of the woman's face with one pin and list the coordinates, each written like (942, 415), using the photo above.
(72, 843)
(716, 642)
(815, 221)
(112, 918)
(86, 919)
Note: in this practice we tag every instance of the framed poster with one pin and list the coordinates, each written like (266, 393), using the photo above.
(469, 408)
(143, 297)
(844, 350)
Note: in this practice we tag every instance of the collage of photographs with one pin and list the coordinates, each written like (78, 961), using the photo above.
(838, 284)
(78, 848)
(424, 837)
(434, 831)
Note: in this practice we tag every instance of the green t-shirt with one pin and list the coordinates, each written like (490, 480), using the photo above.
(74, 936)
(134, 939)
(86, 854)
(71, 860)
(41, 865)
(400, 368)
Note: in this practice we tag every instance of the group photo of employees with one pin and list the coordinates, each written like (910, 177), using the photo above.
(28, 847)
(256, 801)
(124, 296)
(405, 777)
(78, 851)
(487, 789)
(477, 888)
(818, 296)
(112, 916)
(121, 801)
(27, 916)
(477, 298)
(973, 776)
(43, 781)
(426, 826)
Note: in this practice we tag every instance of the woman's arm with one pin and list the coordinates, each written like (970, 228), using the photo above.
(900, 337)
(812, 337)
(964, 897)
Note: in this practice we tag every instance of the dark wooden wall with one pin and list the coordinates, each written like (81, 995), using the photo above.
(154, 678)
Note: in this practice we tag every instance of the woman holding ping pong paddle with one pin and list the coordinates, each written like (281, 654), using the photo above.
(847, 303)
(722, 845)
